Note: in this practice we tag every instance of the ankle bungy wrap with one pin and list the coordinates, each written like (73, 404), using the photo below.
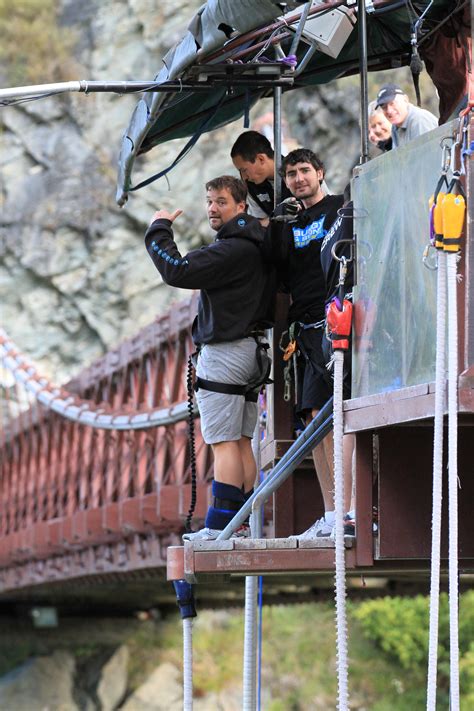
(227, 501)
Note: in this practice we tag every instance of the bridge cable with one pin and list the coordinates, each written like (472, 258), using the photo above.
(76, 409)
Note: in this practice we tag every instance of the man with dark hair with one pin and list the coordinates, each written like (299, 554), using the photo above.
(253, 156)
(408, 121)
(235, 307)
(295, 247)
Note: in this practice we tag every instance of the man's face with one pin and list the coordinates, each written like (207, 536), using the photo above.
(256, 171)
(397, 110)
(380, 129)
(221, 207)
(303, 181)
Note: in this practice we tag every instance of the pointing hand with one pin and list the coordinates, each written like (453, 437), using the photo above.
(165, 215)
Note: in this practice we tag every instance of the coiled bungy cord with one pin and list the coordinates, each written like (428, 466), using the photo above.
(436, 241)
(454, 208)
(453, 480)
(448, 214)
(338, 329)
(192, 443)
(440, 378)
(340, 577)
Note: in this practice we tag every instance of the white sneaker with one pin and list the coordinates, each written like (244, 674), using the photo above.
(319, 529)
(210, 534)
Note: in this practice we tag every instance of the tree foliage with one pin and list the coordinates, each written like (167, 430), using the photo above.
(34, 48)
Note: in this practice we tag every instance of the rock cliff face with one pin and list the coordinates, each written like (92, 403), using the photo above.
(74, 276)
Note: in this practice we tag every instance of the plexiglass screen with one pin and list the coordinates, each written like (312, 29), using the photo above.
(395, 296)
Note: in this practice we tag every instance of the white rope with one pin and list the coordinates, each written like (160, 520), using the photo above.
(250, 644)
(188, 664)
(453, 480)
(340, 577)
(440, 380)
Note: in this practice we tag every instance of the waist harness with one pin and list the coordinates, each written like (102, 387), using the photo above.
(251, 389)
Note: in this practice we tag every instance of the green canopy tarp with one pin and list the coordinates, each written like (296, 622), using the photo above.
(226, 31)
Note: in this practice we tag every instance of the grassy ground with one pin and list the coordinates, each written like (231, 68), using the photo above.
(298, 660)
(298, 656)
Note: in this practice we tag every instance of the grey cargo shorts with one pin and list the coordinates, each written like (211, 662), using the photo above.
(227, 418)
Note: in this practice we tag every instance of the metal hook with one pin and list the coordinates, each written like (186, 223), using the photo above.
(357, 212)
(343, 258)
(426, 253)
(445, 157)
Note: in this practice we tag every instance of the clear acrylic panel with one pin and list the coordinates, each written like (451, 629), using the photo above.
(395, 296)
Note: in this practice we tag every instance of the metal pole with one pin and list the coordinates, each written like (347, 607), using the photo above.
(364, 119)
(300, 28)
(250, 644)
(250, 616)
(126, 87)
(277, 142)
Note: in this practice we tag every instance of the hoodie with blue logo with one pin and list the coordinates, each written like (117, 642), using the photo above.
(237, 286)
(295, 248)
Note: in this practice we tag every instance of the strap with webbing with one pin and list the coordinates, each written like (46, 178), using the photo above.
(225, 388)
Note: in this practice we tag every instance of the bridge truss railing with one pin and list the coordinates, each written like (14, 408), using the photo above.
(104, 457)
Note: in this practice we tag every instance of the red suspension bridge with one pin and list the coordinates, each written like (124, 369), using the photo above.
(95, 475)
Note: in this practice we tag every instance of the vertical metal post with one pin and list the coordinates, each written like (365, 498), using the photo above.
(364, 119)
(250, 614)
(277, 142)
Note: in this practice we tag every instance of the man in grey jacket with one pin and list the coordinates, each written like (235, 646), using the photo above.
(408, 121)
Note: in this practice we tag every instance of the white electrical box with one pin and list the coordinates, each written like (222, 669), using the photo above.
(329, 32)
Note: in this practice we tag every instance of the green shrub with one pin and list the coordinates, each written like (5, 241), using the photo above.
(400, 627)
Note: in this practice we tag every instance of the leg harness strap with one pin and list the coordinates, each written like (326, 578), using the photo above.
(226, 389)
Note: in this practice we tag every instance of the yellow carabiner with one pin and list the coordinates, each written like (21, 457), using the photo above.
(438, 219)
(453, 208)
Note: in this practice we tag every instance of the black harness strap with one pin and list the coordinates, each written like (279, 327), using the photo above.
(226, 388)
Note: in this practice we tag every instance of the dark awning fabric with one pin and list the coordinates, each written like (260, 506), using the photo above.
(160, 117)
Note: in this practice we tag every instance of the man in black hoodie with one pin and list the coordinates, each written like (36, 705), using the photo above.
(234, 308)
(295, 247)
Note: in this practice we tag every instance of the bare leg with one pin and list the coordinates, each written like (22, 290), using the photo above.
(228, 465)
(323, 457)
(248, 463)
(348, 444)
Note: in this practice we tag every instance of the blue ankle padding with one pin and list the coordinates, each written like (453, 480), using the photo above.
(218, 518)
(227, 491)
